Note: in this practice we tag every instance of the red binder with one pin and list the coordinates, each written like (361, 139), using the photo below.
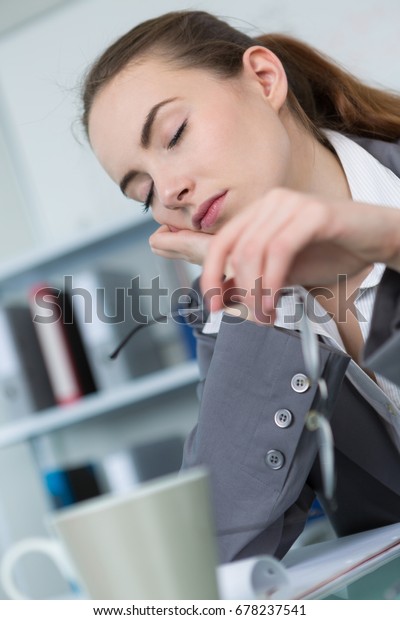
(61, 343)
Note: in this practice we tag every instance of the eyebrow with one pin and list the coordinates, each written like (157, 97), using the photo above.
(144, 138)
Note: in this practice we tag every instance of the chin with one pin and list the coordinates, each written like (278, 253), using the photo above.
(217, 226)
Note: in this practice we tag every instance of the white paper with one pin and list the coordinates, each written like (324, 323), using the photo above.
(312, 571)
(257, 577)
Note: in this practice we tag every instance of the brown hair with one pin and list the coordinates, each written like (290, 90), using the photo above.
(321, 94)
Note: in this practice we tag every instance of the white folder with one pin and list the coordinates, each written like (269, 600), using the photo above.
(313, 571)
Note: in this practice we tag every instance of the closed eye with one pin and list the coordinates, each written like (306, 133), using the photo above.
(178, 135)
(174, 141)
(149, 198)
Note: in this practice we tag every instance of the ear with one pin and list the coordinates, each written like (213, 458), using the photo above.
(266, 71)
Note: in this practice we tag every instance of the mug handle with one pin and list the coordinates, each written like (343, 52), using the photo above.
(48, 547)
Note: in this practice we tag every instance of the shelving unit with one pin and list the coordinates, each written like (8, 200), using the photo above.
(22, 273)
(65, 192)
(139, 411)
(100, 403)
(30, 268)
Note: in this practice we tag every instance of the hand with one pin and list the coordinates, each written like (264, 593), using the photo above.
(293, 238)
(185, 244)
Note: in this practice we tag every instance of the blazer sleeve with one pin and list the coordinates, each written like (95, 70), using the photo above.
(258, 467)
(382, 349)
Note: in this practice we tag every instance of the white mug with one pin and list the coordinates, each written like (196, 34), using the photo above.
(157, 542)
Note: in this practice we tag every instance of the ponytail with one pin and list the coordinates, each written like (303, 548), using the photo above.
(332, 98)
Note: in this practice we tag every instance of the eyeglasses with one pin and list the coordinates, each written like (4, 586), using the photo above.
(161, 318)
(316, 420)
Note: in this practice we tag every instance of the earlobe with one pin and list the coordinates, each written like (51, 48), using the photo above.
(265, 69)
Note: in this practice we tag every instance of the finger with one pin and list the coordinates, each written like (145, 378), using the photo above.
(282, 253)
(184, 244)
(163, 241)
(243, 241)
(167, 254)
(216, 263)
(160, 230)
(251, 234)
(248, 257)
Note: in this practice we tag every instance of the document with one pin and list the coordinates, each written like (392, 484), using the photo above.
(313, 571)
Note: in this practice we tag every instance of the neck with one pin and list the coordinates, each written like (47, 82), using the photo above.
(315, 168)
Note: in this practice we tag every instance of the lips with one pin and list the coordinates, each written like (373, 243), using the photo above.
(208, 211)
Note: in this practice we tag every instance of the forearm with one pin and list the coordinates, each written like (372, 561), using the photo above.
(373, 233)
(394, 260)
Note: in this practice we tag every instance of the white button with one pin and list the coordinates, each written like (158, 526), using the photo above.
(283, 418)
(300, 383)
(274, 459)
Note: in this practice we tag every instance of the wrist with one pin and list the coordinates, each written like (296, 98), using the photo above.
(240, 310)
(394, 242)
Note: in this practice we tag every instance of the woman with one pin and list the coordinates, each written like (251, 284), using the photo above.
(238, 146)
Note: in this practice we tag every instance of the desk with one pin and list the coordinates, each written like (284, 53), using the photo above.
(382, 583)
(360, 566)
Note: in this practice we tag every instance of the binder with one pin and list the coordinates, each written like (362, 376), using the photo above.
(178, 277)
(313, 571)
(61, 344)
(125, 469)
(105, 313)
(100, 337)
(24, 381)
(70, 485)
(154, 346)
(175, 339)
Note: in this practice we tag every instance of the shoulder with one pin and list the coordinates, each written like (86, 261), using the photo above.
(388, 153)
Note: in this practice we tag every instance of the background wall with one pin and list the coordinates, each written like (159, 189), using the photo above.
(51, 187)
(16, 233)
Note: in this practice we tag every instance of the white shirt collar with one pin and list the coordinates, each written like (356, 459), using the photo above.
(369, 181)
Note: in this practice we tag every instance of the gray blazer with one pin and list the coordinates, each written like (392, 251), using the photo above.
(251, 435)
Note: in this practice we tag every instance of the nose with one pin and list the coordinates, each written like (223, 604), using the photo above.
(175, 192)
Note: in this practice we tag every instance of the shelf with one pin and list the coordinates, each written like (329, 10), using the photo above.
(100, 403)
(30, 268)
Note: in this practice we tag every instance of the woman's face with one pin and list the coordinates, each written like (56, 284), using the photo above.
(194, 148)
